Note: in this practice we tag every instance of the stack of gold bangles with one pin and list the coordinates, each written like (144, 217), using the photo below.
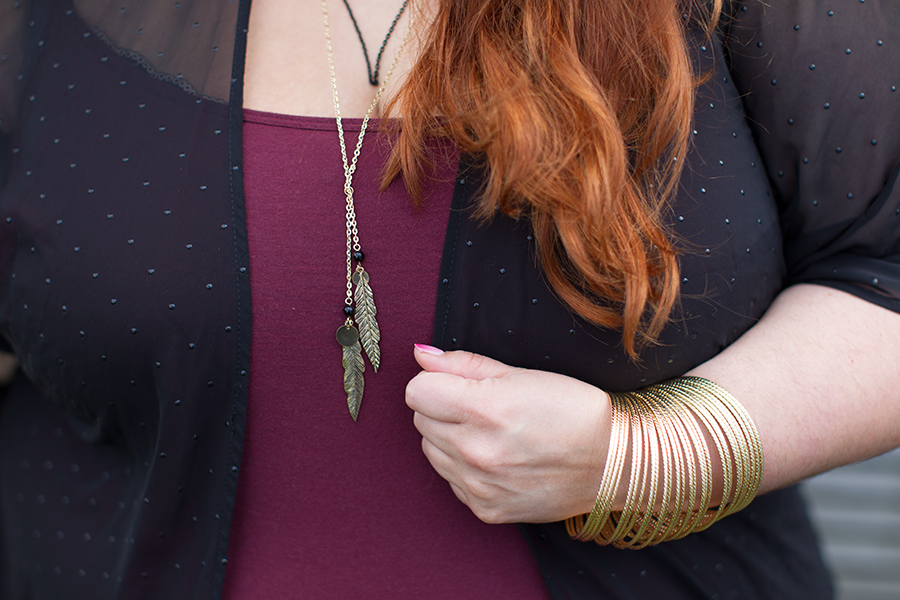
(660, 423)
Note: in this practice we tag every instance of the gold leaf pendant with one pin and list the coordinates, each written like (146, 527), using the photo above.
(365, 335)
(354, 367)
(364, 312)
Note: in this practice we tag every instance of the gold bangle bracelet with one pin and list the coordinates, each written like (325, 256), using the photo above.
(669, 491)
(657, 453)
(672, 451)
(639, 444)
(701, 410)
(747, 449)
(587, 529)
(694, 452)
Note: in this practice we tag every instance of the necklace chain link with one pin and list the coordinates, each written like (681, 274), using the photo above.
(360, 331)
(350, 168)
(373, 76)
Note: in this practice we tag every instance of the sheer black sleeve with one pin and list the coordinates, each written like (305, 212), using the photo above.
(188, 43)
(15, 17)
(819, 82)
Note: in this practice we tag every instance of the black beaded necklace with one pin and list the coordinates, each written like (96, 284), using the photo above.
(373, 77)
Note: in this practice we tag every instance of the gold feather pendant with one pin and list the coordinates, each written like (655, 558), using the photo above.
(359, 307)
(365, 336)
(354, 367)
(364, 313)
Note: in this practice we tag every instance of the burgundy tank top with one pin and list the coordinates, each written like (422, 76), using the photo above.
(328, 508)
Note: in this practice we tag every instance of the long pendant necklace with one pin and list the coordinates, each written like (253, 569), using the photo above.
(360, 329)
(373, 77)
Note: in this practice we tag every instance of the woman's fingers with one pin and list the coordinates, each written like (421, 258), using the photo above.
(486, 496)
(440, 434)
(447, 389)
(439, 460)
(438, 396)
(463, 364)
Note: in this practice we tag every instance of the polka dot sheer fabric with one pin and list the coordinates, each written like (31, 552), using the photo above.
(124, 284)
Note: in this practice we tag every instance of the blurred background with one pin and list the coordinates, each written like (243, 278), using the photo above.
(856, 511)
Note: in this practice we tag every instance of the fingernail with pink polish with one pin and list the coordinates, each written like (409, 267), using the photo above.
(426, 349)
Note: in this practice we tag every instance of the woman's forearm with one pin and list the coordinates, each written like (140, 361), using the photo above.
(820, 376)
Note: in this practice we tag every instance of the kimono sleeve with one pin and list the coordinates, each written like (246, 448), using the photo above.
(17, 46)
(819, 84)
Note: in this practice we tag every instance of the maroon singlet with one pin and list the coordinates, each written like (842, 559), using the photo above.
(328, 508)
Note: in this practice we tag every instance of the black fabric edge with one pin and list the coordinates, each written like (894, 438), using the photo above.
(238, 415)
(144, 63)
(548, 581)
(468, 182)
(877, 205)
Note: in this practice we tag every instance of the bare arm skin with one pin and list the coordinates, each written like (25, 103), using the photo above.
(820, 375)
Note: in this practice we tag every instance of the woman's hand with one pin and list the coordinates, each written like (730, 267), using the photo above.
(516, 445)
(818, 375)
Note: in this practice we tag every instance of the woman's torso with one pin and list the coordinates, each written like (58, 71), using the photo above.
(127, 297)
(329, 506)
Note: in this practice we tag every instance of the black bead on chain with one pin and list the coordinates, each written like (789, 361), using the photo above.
(348, 311)
(373, 77)
(358, 256)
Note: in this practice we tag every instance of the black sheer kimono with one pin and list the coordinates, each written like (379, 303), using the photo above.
(124, 285)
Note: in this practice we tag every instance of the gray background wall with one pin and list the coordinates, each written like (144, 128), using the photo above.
(856, 511)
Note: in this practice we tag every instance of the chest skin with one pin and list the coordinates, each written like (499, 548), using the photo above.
(283, 30)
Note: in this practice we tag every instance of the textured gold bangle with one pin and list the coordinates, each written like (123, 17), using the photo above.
(695, 452)
(692, 515)
(587, 529)
(639, 445)
(665, 427)
(664, 517)
(744, 441)
(657, 451)
(700, 408)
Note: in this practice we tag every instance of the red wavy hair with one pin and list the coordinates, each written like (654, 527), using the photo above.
(581, 111)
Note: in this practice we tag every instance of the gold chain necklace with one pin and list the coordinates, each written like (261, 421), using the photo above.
(360, 330)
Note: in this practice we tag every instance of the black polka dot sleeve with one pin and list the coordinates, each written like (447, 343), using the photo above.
(819, 81)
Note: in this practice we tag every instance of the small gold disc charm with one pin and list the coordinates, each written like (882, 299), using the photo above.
(347, 335)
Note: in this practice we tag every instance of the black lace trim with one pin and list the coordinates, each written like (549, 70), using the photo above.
(145, 64)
